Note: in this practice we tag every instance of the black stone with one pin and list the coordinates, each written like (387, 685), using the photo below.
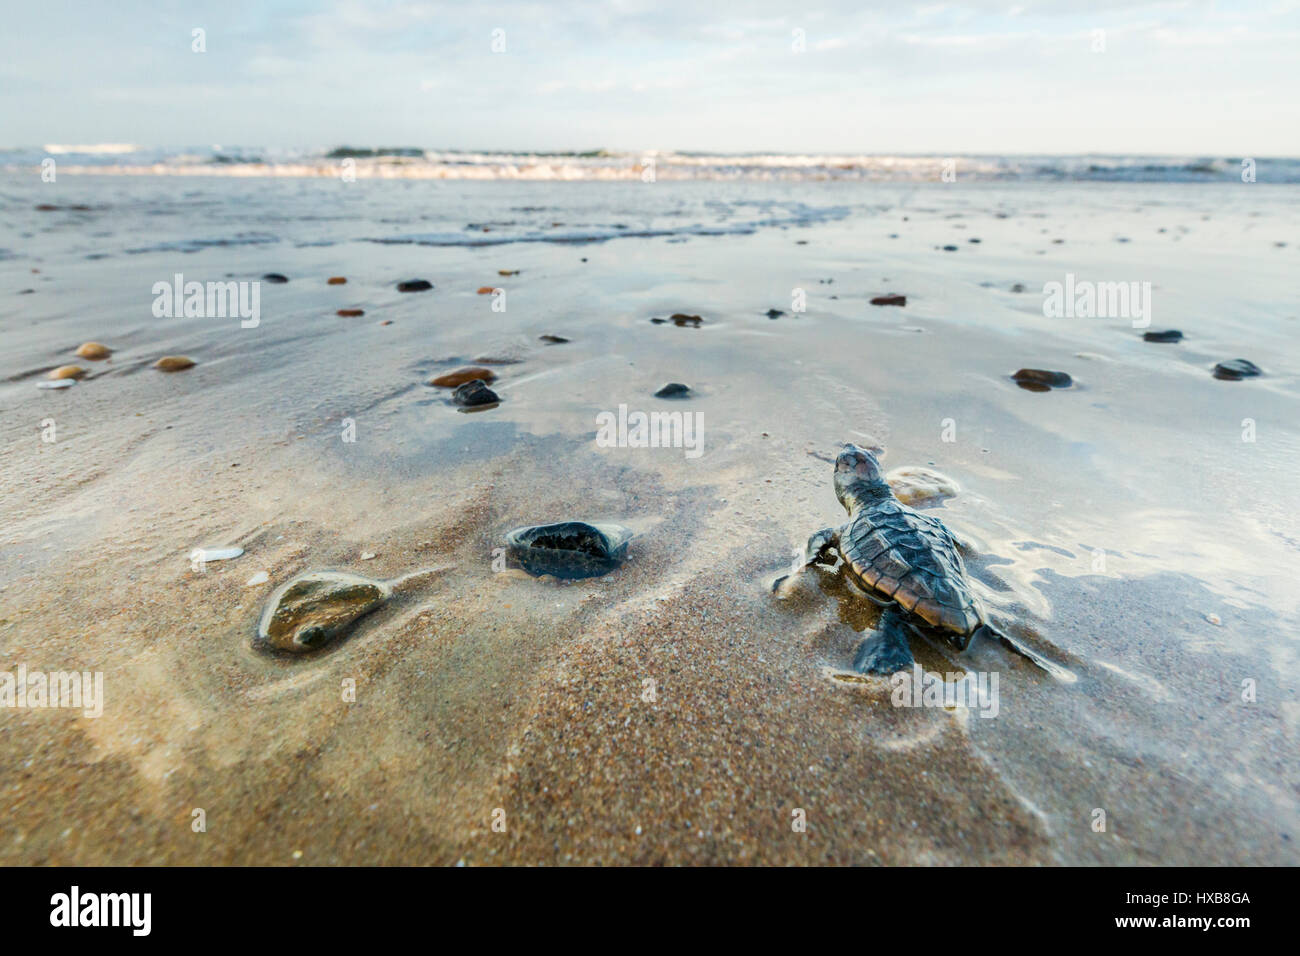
(1169, 335)
(673, 390)
(1236, 369)
(475, 393)
(1041, 380)
(275, 277)
(414, 285)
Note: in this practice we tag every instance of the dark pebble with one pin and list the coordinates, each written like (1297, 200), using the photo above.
(1169, 335)
(949, 248)
(1235, 369)
(553, 339)
(889, 300)
(1041, 380)
(683, 320)
(275, 277)
(673, 390)
(1017, 288)
(414, 285)
(774, 313)
(475, 393)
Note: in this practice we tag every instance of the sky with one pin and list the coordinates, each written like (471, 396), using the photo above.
(1174, 78)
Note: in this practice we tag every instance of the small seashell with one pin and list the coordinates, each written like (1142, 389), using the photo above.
(59, 383)
(261, 577)
(173, 363)
(67, 371)
(215, 554)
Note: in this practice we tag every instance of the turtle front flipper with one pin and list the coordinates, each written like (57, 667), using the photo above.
(821, 546)
(886, 651)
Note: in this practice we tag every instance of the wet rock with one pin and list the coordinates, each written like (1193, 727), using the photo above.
(93, 351)
(1169, 335)
(173, 363)
(462, 375)
(569, 549)
(275, 277)
(889, 300)
(673, 390)
(498, 359)
(1236, 369)
(658, 321)
(774, 313)
(316, 608)
(553, 339)
(1018, 287)
(949, 248)
(915, 485)
(683, 320)
(1041, 380)
(974, 241)
(336, 280)
(485, 290)
(475, 393)
(414, 285)
(350, 313)
(67, 371)
(507, 272)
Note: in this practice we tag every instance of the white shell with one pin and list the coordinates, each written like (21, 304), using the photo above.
(58, 383)
(215, 554)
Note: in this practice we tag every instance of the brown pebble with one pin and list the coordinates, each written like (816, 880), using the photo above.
(463, 375)
(94, 351)
(173, 363)
(485, 290)
(337, 280)
(386, 322)
(350, 313)
(67, 371)
(507, 272)
(889, 300)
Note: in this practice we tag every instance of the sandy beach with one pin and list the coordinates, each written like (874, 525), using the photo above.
(1139, 529)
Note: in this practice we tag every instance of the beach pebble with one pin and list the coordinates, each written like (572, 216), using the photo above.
(261, 577)
(1214, 619)
(1018, 287)
(569, 549)
(350, 313)
(67, 371)
(173, 363)
(774, 313)
(314, 608)
(275, 277)
(1235, 369)
(684, 320)
(368, 555)
(889, 300)
(414, 285)
(475, 393)
(498, 359)
(1169, 335)
(1041, 380)
(916, 485)
(93, 351)
(553, 339)
(673, 390)
(485, 290)
(58, 383)
(949, 248)
(507, 272)
(463, 375)
(336, 280)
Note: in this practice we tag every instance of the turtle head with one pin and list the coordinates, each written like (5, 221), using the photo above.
(858, 477)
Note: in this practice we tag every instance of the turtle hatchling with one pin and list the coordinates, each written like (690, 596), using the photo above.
(902, 559)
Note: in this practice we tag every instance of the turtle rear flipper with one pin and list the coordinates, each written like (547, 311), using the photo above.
(1051, 668)
(886, 651)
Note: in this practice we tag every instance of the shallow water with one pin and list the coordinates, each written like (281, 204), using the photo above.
(1121, 528)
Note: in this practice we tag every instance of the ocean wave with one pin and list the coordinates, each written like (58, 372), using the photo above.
(409, 162)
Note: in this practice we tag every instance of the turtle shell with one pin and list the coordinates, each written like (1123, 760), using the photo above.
(897, 554)
(569, 549)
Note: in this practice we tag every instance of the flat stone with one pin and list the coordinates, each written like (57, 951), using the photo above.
(316, 608)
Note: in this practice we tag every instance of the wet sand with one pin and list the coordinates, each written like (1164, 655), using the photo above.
(478, 691)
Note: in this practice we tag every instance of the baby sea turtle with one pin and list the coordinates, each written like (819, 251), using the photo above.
(570, 549)
(902, 559)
